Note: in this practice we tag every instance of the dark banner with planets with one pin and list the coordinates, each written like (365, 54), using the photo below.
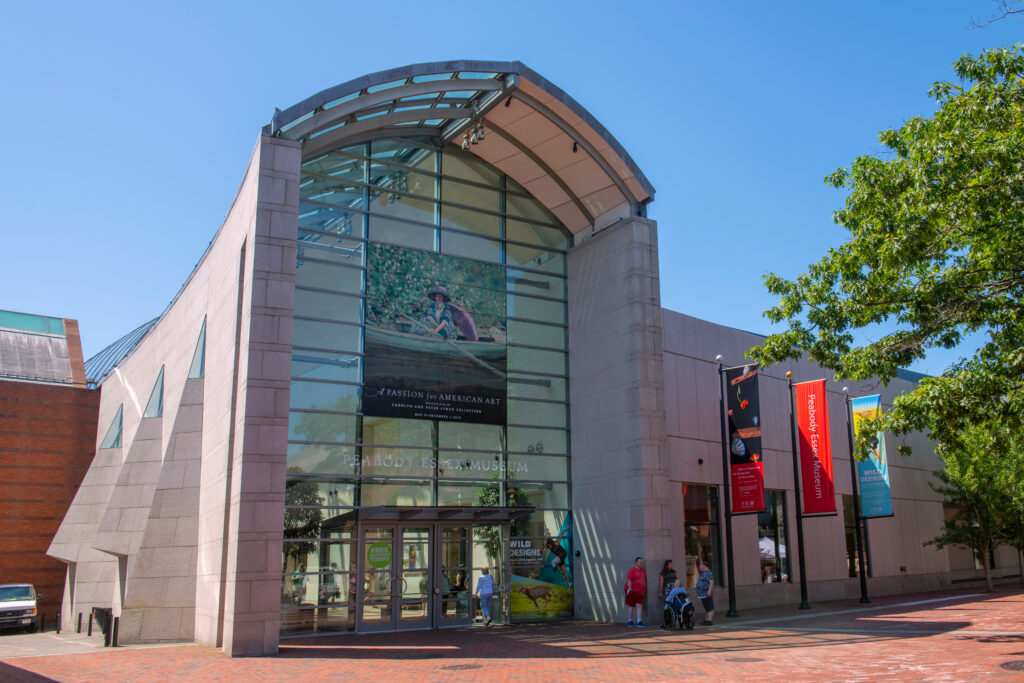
(746, 470)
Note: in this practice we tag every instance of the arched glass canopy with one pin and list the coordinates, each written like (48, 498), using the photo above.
(502, 112)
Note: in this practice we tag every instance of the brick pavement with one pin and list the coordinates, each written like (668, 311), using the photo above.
(955, 636)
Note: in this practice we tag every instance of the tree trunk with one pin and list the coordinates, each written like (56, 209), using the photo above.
(988, 571)
(1020, 563)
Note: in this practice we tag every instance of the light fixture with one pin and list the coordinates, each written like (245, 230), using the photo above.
(575, 147)
(508, 102)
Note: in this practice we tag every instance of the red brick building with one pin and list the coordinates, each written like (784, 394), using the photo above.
(47, 440)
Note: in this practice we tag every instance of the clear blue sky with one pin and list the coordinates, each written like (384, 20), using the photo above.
(127, 126)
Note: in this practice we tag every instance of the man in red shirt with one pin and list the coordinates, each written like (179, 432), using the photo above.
(636, 591)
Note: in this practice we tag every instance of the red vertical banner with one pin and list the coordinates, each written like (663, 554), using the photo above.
(818, 485)
(746, 471)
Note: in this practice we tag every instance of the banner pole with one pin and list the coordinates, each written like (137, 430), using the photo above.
(796, 487)
(856, 500)
(725, 489)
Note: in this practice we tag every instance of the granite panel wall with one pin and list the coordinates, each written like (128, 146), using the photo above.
(179, 530)
(619, 463)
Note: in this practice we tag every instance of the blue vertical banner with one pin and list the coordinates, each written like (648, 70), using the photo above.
(873, 473)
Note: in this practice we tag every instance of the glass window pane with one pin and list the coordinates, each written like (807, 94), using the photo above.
(334, 278)
(394, 492)
(523, 282)
(529, 386)
(338, 164)
(403, 152)
(336, 221)
(473, 437)
(540, 414)
(536, 309)
(323, 427)
(547, 495)
(322, 459)
(468, 246)
(342, 398)
(541, 235)
(473, 493)
(323, 335)
(402, 206)
(338, 192)
(528, 208)
(536, 360)
(339, 307)
(470, 195)
(397, 462)
(393, 431)
(470, 221)
(538, 467)
(327, 365)
(458, 166)
(343, 250)
(535, 334)
(533, 440)
(465, 464)
(535, 258)
(306, 492)
(404, 234)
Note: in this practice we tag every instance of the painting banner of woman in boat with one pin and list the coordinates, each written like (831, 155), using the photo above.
(435, 337)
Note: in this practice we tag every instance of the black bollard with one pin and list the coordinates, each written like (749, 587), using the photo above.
(58, 623)
(90, 625)
(42, 622)
(113, 637)
(79, 629)
(106, 637)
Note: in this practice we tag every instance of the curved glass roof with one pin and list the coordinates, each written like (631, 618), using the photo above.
(99, 366)
(503, 112)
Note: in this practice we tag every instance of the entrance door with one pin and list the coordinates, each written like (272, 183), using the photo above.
(453, 596)
(396, 587)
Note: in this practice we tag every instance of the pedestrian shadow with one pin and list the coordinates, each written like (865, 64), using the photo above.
(12, 674)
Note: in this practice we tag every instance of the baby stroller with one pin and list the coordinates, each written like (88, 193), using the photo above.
(678, 613)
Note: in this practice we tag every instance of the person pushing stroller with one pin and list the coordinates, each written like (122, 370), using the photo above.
(678, 609)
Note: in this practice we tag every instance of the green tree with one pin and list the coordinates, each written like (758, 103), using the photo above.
(974, 481)
(936, 252)
(1013, 488)
(301, 523)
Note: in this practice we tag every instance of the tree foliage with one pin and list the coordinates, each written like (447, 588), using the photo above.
(936, 251)
(976, 482)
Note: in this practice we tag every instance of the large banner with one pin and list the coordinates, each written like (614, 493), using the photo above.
(435, 337)
(542, 576)
(746, 471)
(873, 473)
(818, 486)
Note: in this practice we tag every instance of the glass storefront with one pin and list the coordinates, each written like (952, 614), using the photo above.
(429, 373)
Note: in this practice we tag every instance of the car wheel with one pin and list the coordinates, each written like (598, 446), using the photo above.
(32, 628)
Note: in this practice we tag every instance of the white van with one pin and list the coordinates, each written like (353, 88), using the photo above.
(19, 606)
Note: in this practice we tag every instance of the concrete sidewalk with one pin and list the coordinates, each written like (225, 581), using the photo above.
(956, 636)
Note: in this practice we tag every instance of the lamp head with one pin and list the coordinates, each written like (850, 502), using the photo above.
(789, 374)
(718, 358)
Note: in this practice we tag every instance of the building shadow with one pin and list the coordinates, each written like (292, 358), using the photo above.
(12, 674)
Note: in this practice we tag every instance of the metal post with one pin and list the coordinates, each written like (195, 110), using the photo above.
(113, 637)
(42, 622)
(730, 572)
(79, 629)
(58, 623)
(90, 625)
(799, 507)
(856, 501)
(106, 635)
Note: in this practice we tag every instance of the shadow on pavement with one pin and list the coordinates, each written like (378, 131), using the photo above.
(12, 674)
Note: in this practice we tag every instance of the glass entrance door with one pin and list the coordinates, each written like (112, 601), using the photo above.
(454, 598)
(396, 587)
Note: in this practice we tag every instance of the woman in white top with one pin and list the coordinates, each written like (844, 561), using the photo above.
(485, 591)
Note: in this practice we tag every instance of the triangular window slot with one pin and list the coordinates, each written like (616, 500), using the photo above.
(155, 407)
(113, 437)
(198, 368)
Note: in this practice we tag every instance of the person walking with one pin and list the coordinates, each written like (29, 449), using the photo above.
(705, 584)
(485, 591)
(636, 592)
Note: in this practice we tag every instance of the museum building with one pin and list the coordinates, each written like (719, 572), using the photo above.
(428, 340)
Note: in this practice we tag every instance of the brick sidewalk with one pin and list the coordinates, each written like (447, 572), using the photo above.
(959, 635)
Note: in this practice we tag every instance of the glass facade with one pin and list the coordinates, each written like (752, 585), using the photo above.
(380, 225)
(700, 526)
(773, 539)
